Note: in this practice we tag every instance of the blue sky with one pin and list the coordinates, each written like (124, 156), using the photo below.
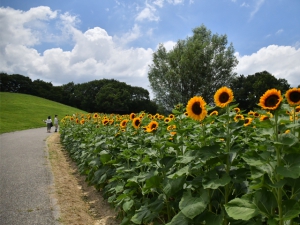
(79, 41)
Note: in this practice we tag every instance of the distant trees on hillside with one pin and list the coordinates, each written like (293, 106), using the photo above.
(106, 95)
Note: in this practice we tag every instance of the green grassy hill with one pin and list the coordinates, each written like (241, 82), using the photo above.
(21, 111)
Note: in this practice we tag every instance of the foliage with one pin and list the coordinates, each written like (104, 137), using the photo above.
(219, 170)
(199, 65)
(108, 96)
(248, 89)
(22, 111)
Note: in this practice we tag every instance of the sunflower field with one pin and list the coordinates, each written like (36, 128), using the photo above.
(198, 165)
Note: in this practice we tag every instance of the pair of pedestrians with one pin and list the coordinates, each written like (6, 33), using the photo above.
(49, 123)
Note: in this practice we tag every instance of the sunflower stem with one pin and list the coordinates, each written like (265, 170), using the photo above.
(228, 163)
(278, 156)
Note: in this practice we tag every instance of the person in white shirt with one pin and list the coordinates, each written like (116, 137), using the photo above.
(48, 123)
(56, 123)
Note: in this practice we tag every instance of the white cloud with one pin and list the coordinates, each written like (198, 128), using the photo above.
(279, 31)
(16, 26)
(280, 61)
(175, 2)
(148, 13)
(168, 45)
(95, 54)
(258, 4)
(159, 3)
(244, 4)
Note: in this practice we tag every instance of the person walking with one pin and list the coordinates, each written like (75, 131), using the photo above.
(48, 123)
(56, 123)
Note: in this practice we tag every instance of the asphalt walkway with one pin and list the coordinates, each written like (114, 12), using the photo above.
(26, 181)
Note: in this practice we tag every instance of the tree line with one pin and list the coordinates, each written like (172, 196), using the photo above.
(105, 95)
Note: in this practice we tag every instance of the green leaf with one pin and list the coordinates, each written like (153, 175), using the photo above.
(105, 158)
(179, 219)
(179, 173)
(172, 186)
(140, 215)
(193, 206)
(127, 205)
(265, 202)
(208, 152)
(153, 182)
(288, 139)
(291, 168)
(241, 209)
(291, 209)
(212, 180)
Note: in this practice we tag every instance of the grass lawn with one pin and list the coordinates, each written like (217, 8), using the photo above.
(21, 111)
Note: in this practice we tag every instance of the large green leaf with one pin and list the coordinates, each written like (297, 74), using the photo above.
(208, 152)
(172, 186)
(265, 202)
(192, 206)
(140, 215)
(291, 168)
(241, 209)
(291, 209)
(127, 205)
(288, 139)
(179, 219)
(180, 172)
(213, 181)
(148, 212)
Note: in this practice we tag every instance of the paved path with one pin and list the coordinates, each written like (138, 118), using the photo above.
(25, 179)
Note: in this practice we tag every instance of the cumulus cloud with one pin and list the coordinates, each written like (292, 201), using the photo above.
(280, 61)
(94, 55)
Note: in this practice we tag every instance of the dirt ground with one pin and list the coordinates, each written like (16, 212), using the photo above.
(78, 202)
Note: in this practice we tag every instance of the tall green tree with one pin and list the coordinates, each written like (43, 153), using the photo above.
(247, 90)
(199, 65)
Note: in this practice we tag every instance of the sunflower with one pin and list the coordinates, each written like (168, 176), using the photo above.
(293, 96)
(237, 110)
(214, 113)
(238, 117)
(297, 109)
(223, 97)
(123, 123)
(263, 117)
(167, 120)
(105, 121)
(132, 116)
(185, 113)
(271, 99)
(248, 121)
(153, 125)
(77, 120)
(95, 116)
(171, 127)
(82, 121)
(136, 122)
(251, 113)
(171, 116)
(196, 108)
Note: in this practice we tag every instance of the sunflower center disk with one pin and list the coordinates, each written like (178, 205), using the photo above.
(271, 101)
(224, 97)
(196, 108)
(295, 96)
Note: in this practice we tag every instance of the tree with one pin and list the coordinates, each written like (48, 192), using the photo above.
(15, 83)
(247, 90)
(199, 65)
